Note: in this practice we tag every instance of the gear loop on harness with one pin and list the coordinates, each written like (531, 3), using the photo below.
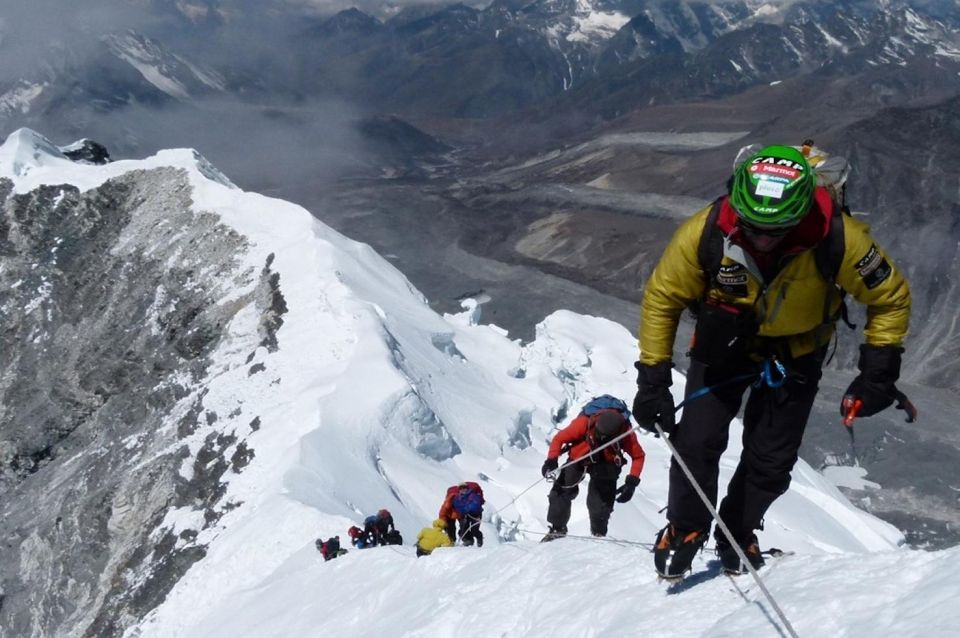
(767, 375)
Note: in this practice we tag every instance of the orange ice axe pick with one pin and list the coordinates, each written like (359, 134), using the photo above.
(851, 406)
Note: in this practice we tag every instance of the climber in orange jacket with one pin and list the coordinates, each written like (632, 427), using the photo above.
(584, 434)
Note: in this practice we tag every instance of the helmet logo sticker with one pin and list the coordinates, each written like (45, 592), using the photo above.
(777, 166)
(770, 188)
(773, 178)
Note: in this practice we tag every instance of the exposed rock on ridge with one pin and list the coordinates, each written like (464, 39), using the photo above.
(111, 303)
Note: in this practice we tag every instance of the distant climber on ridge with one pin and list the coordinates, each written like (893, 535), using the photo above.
(463, 503)
(430, 538)
(378, 529)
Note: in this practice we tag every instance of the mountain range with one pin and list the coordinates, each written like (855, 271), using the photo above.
(549, 93)
(533, 156)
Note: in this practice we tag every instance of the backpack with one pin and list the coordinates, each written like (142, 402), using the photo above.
(610, 402)
(474, 487)
(392, 537)
(832, 173)
(593, 407)
(330, 548)
(828, 254)
(470, 503)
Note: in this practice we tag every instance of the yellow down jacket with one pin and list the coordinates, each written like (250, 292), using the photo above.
(790, 308)
(431, 538)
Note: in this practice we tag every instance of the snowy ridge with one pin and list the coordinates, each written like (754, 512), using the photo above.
(169, 73)
(146, 58)
(591, 25)
(369, 399)
(26, 154)
(579, 587)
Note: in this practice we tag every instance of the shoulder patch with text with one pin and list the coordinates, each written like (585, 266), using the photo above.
(873, 268)
(732, 280)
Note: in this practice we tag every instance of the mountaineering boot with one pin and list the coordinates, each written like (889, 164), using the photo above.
(553, 534)
(674, 550)
(731, 561)
(598, 528)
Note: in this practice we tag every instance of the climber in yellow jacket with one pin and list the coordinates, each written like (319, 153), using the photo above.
(431, 538)
(763, 266)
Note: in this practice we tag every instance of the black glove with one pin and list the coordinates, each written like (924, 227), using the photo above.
(654, 403)
(625, 493)
(874, 386)
(549, 466)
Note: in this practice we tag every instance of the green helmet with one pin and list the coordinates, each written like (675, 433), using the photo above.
(773, 188)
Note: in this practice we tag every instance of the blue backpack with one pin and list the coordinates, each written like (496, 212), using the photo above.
(469, 503)
(606, 402)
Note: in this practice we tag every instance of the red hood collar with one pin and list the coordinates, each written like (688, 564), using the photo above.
(808, 233)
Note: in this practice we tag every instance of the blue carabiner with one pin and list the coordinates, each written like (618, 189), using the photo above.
(767, 374)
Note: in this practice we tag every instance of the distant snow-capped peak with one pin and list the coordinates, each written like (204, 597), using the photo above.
(168, 72)
(911, 35)
(585, 22)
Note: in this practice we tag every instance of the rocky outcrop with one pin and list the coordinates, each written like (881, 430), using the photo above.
(111, 304)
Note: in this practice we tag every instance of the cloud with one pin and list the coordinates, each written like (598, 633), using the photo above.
(283, 151)
(269, 132)
(267, 135)
(38, 34)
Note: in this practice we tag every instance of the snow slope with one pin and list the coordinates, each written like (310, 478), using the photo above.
(372, 400)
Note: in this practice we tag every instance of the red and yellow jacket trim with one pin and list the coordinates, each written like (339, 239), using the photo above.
(789, 308)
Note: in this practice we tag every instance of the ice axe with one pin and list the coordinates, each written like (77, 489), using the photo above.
(852, 405)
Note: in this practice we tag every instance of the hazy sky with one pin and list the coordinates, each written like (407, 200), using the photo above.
(266, 142)
(300, 135)
(29, 28)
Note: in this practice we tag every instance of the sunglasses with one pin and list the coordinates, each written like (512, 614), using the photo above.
(754, 231)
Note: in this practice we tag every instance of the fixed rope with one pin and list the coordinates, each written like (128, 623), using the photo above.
(765, 376)
(774, 375)
(598, 539)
